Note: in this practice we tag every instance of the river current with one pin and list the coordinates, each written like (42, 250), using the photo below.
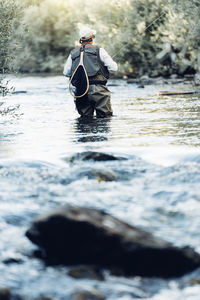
(157, 187)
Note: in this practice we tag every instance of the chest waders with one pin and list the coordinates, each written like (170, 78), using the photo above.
(81, 76)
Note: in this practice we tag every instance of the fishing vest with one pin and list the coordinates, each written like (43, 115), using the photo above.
(96, 71)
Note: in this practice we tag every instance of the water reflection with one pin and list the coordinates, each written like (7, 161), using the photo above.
(92, 129)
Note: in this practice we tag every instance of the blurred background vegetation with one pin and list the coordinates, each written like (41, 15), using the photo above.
(37, 35)
(8, 16)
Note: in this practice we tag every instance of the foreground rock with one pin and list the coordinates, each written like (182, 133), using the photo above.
(74, 235)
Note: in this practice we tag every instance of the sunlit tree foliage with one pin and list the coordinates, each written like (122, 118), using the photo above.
(7, 15)
(46, 35)
(154, 37)
(181, 36)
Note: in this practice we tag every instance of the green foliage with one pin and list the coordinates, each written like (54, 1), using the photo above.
(155, 37)
(140, 36)
(7, 16)
(7, 13)
(182, 33)
(46, 36)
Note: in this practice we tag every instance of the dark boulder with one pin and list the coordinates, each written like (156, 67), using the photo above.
(92, 155)
(73, 235)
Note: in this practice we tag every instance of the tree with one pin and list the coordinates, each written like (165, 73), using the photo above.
(154, 37)
(181, 33)
(7, 15)
(46, 36)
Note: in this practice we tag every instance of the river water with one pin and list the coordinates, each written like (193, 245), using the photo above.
(157, 187)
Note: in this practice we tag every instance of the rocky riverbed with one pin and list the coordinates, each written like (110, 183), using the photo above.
(141, 168)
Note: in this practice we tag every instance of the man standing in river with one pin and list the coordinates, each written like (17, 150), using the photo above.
(97, 63)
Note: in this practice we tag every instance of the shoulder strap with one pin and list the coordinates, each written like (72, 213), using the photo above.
(98, 53)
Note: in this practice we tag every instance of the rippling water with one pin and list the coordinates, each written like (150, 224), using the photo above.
(156, 188)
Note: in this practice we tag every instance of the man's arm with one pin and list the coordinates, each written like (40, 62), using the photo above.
(107, 60)
(67, 67)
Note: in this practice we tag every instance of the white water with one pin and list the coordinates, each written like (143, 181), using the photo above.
(156, 188)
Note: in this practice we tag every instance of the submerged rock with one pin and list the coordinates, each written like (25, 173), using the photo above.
(20, 92)
(45, 297)
(194, 281)
(96, 156)
(12, 260)
(89, 272)
(6, 294)
(133, 80)
(73, 235)
(87, 295)
(100, 175)
(197, 79)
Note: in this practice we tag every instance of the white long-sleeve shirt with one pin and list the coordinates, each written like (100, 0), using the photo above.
(104, 57)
